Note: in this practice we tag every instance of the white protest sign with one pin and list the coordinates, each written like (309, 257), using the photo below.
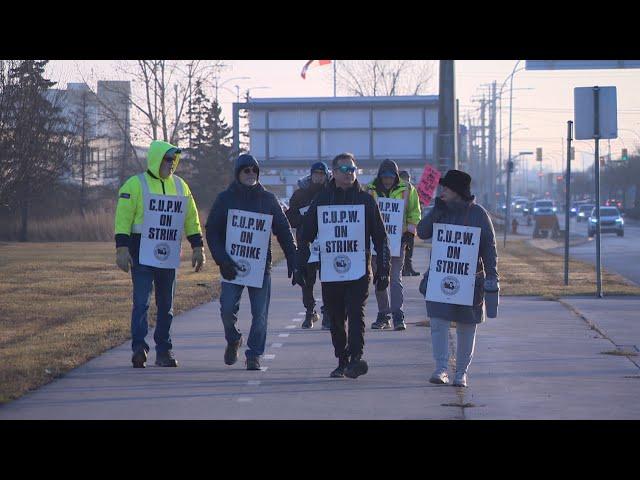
(315, 245)
(392, 211)
(161, 236)
(454, 259)
(247, 244)
(341, 237)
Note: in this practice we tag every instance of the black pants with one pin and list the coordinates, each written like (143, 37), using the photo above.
(408, 245)
(308, 300)
(345, 302)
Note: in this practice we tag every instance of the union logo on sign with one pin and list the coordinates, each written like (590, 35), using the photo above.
(450, 285)
(342, 264)
(162, 251)
(244, 268)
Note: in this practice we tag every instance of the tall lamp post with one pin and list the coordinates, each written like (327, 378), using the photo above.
(220, 85)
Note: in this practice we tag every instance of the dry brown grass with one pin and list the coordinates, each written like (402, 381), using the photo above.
(62, 304)
(527, 270)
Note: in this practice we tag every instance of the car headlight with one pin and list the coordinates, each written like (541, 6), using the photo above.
(536, 209)
(593, 220)
(620, 221)
(573, 209)
(555, 209)
(581, 214)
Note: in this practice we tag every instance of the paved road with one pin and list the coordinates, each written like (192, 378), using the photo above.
(619, 254)
(538, 360)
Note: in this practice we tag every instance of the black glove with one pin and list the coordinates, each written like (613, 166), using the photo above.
(300, 277)
(229, 270)
(291, 265)
(381, 281)
(439, 209)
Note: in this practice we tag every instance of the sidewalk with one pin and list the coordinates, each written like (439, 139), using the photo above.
(538, 360)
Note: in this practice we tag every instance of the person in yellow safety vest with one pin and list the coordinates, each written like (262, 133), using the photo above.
(388, 184)
(153, 209)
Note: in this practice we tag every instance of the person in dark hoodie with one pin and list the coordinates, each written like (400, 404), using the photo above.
(246, 193)
(455, 205)
(387, 184)
(345, 300)
(298, 204)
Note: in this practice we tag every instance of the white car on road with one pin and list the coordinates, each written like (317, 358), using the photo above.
(610, 221)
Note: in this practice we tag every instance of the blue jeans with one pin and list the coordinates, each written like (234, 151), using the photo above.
(144, 278)
(260, 298)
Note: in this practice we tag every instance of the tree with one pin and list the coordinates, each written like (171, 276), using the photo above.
(208, 166)
(364, 78)
(36, 137)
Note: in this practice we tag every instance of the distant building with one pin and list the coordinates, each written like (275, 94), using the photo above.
(100, 123)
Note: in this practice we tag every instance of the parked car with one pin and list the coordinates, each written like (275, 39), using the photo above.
(610, 221)
(584, 211)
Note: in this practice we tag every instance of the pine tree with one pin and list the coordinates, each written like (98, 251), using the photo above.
(208, 165)
(38, 136)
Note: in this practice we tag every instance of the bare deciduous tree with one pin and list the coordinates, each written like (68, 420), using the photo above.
(374, 78)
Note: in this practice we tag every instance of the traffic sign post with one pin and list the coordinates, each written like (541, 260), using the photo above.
(595, 111)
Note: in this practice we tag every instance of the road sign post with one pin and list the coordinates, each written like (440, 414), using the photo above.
(595, 110)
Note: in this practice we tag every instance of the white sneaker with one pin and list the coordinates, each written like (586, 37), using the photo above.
(440, 378)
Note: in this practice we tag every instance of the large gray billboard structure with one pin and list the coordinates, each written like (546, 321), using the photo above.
(295, 132)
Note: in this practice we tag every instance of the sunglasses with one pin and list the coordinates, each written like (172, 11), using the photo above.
(347, 168)
(248, 170)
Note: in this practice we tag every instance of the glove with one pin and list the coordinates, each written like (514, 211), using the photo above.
(197, 258)
(123, 258)
(229, 270)
(381, 281)
(300, 277)
(439, 204)
(439, 209)
(290, 268)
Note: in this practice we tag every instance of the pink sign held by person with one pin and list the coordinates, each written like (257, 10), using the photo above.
(428, 184)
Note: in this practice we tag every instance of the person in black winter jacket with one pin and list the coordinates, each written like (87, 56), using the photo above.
(298, 205)
(346, 299)
(246, 193)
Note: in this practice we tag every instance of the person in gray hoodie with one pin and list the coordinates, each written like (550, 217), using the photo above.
(455, 205)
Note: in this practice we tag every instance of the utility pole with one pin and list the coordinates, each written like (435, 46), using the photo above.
(447, 154)
(483, 154)
(492, 149)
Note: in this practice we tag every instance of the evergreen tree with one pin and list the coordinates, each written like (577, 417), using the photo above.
(208, 163)
(38, 136)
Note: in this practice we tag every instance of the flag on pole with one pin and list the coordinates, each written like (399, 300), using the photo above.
(313, 63)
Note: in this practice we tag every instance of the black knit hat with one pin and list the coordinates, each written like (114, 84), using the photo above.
(459, 182)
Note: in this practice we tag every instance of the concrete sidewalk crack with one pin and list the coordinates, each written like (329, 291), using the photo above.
(594, 326)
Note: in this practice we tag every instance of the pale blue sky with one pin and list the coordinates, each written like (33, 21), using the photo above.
(544, 110)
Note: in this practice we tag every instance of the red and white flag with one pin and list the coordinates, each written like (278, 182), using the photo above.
(313, 63)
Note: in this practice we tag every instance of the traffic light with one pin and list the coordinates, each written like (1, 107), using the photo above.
(510, 165)
(539, 154)
(625, 155)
